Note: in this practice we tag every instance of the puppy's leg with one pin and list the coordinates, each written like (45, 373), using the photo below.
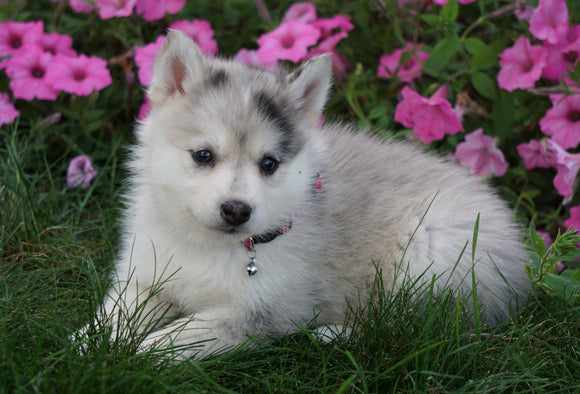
(205, 333)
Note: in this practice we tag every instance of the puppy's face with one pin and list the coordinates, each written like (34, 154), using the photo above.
(225, 146)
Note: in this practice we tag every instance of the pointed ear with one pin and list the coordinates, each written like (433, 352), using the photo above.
(177, 67)
(309, 86)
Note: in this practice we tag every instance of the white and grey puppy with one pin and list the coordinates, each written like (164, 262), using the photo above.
(255, 219)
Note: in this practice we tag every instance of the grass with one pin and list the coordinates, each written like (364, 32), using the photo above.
(57, 247)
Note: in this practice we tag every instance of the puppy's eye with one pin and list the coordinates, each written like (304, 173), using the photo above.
(269, 165)
(202, 156)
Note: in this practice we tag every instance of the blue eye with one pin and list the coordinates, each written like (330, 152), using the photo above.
(269, 165)
(202, 156)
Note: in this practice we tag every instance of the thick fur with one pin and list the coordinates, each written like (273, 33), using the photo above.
(380, 202)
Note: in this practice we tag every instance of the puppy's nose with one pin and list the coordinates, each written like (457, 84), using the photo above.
(235, 212)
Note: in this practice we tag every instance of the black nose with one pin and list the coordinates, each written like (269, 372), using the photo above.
(235, 212)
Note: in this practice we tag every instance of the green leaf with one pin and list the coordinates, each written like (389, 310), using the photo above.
(503, 114)
(563, 286)
(439, 57)
(484, 85)
(538, 243)
(483, 56)
(451, 10)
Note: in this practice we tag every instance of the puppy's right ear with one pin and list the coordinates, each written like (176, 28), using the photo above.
(177, 68)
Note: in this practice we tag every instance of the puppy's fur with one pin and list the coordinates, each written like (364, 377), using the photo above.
(230, 152)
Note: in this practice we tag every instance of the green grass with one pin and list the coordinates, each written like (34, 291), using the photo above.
(57, 247)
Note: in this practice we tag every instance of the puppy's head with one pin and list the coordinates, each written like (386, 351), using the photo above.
(227, 147)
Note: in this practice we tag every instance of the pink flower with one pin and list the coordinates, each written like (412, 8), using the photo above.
(27, 72)
(568, 167)
(289, 41)
(574, 219)
(306, 12)
(550, 20)
(535, 155)
(155, 9)
(15, 36)
(145, 58)
(57, 43)
(430, 118)
(480, 153)
(521, 65)
(524, 11)
(144, 109)
(80, 172)
(7, 111)
(562, 55)
(336, 25)
(201, 32)
(390, 65)
(562, 121)
(250, 57)
(79, 75)
(115, 8)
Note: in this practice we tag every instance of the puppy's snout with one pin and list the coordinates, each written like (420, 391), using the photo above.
(235, 212)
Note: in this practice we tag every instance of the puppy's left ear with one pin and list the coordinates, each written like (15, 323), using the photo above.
(309, 86)
(177, 68)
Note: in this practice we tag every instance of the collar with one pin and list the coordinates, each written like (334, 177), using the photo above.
(271, 235)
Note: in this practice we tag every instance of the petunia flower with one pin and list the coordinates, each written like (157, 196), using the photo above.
(201, 32)
(568, 167)
(562, 121)
(115, 8)
(549, 20)
(521, 65)
(155, 9)
(335, 25)
(481, 154)
(80, 6)
(15, 36)
(57, 43)
(535, 155)
(305, 12)
(562, 55)
(289, 41)
(145, 58)
(27, 73)
(249, 56)
(80, 172)
(79, 75)
(7, 111)
(430, 118)
(443, 2)
(574, 219)
(390, 65)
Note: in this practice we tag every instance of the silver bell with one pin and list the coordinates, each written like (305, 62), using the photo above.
(251, 269)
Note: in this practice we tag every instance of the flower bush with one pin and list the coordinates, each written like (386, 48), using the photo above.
(493, 85)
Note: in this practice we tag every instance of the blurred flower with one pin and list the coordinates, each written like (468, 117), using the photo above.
(27, 73)
(201, 32)
(390, 65)
(521, 65)
(154, 9)
(574, 219)
(331, 26)
(568, 167)
(562, 121)
(145, 58)
(289, 41)
(248, 56)
(57, 43)
(549, 20)
(535, 155)
(430, 118)
(115, 8)
(15, 36)
(80, 75)
(480, 153)
(82, 6)
(80, 172)
(7, 111)
(562, 55)
(524, 11)
(306, 12)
